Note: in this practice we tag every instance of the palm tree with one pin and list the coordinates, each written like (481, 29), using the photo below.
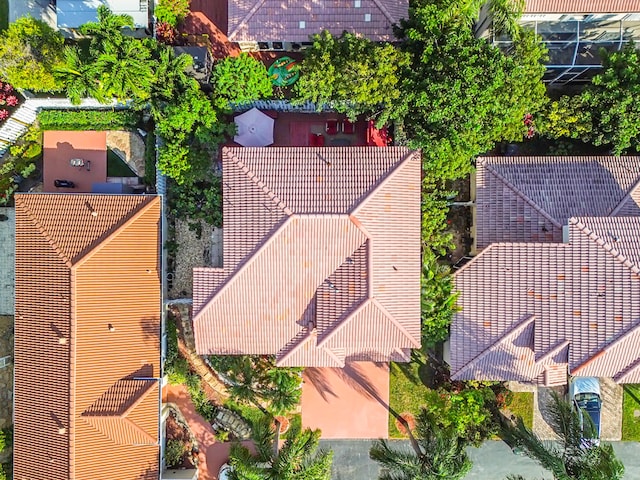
(505, 15)
(438, 454)
(571, 457)
(107, 30)
(126, 71)
(170, 75)
(79, 78)
(297, 459)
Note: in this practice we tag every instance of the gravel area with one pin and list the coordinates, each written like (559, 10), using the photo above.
(192, 252)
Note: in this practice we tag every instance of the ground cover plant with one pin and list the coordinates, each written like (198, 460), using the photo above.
(631, 413)
(19, 164)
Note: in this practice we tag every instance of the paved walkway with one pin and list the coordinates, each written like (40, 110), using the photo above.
(213, 454)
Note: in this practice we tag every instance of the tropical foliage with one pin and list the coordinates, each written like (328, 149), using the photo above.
(438, 453)
(257, 380)
(297, 458)
(172, 11)
(437, 300)
(30, 50)
(352, 74)
(569, 458)
(461, 94)
(241, 79)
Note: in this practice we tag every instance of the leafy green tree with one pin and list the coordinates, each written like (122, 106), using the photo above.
(438, 454)
(172, 11)
(612, 99)
(462, 94)
(241, 79)
(566, 117)
(30, 50)
(191, 128)
(569, 458)
(352, 74)
(298, 458)
(257, 380)
(171, 76)
(505, 15)
(79, 78)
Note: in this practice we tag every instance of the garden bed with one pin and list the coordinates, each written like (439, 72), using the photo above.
(10, 100)
(181, 451)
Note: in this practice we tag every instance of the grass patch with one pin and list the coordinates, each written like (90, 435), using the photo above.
(406, 392)
(116, 167)
(4, 14)
(631, 422)
(521, 405)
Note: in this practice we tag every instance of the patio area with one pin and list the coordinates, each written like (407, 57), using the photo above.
(347, 403)
(77, 157)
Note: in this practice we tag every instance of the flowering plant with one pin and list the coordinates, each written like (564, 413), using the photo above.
(8, 100)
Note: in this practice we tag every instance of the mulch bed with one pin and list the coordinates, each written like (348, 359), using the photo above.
(175, 431)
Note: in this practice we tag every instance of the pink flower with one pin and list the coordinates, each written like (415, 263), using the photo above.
(12, 100)
(8, 88)
(4, 114)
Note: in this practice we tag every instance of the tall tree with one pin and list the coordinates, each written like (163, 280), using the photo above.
(462, 94)
(241, 79)
(571, 457)
(437, 454)
(352, 74)
(107, 31)
(30, 51)
(126, 71)
(297, 459)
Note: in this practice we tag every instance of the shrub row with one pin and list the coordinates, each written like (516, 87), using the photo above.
(88, 119)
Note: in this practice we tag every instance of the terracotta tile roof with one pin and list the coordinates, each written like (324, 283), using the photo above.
(528, 199)
(272, 20)
(321, 251)
(87, 335)
(582, 6)
(582, 298)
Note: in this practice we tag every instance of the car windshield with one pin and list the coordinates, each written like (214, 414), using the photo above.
(588, 401)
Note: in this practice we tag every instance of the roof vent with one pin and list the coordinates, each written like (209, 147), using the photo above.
(367, 17)
(356, 3)
(62, 340)
(565, 234)
(62, 431)
(328, 162)
(111, 328)
(332, 286)
(302, 24)
(615, 237)
(93, 211)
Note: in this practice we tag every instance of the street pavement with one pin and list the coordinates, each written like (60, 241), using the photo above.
(492, 461)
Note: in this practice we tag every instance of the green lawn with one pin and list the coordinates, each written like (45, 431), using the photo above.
(4, 14)
(631, 413)
(116, 167)
(522, 406)
(406, 392)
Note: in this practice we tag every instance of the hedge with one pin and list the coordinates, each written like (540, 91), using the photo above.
(88, 119)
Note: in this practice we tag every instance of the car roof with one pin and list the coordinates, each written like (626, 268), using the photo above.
(584, 385)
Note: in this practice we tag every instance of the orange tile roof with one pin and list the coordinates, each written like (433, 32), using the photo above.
(87, 337)
(322, 256)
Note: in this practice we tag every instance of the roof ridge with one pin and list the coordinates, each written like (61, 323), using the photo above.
(515, 329)
(113, 419)
(489, 168)
(246, 18)
(396, 167)
(132, 217)
(364, 304)
(384, 11)
(259, 183)
(150, 383)
(626, 198)
(606, 246)
(309, 336)
(634, 329)
(559, 346)
(42, 230)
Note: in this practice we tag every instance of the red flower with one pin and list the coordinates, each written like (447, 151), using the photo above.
(4, 114)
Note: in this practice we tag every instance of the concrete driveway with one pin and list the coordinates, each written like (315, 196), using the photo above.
(38, 9)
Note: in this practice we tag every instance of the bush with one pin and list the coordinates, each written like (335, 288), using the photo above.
(172, 11)
(6, 439)
(241, 79)
(88, 119)
(173, 453)
(195, 201)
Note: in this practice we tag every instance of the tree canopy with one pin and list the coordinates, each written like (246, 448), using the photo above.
(352, 74)
(462, 94)
(241, 79)
(30, 50)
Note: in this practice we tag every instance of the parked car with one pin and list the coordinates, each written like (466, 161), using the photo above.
(585, 396)
(225, 472)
